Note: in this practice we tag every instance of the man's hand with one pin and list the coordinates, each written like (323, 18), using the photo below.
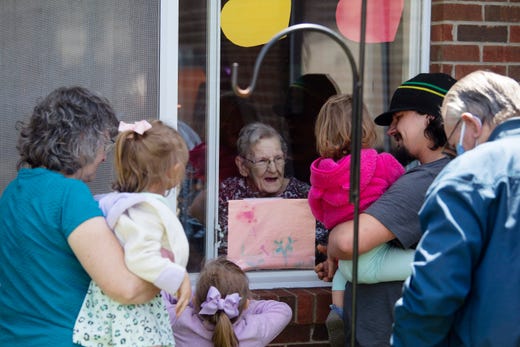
(183, 295)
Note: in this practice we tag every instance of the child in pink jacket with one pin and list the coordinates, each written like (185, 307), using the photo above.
(330, 188)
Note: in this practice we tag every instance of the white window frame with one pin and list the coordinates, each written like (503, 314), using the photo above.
(168, 78)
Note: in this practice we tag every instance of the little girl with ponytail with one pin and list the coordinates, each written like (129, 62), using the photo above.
(222, 314)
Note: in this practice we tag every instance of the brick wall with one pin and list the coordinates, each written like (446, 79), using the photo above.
(472, 35)
(310, 308)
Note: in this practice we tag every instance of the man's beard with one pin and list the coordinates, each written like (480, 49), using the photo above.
(402, 155)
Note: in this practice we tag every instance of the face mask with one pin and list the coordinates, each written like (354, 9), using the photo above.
(460, 148)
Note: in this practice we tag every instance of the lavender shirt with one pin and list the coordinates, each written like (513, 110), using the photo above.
(258, 325)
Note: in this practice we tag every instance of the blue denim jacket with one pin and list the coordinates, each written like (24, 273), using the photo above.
(465, 284)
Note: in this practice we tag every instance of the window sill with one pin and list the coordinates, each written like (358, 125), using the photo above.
(285, 279)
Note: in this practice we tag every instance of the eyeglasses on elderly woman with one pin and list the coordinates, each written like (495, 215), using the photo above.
(263, 164)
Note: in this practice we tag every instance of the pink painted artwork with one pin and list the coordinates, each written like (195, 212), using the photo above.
(271, 233)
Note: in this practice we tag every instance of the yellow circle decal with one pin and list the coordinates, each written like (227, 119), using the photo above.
(249, 23)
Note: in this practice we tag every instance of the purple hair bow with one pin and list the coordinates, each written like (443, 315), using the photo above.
(138, 127)
(214, 303)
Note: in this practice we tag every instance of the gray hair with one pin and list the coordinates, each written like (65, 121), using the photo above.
(492, 97)
(252, 133)
(65, 130)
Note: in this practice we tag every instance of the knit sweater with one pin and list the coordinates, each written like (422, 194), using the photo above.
(156, 248)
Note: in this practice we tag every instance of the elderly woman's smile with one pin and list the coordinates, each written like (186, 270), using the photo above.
(265, 167)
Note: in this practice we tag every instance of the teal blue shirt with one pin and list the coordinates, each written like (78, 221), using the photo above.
(42, 284)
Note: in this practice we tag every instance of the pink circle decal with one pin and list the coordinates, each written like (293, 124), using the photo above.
(383, 17)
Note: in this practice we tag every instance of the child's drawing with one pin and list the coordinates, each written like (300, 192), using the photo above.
(271, 233)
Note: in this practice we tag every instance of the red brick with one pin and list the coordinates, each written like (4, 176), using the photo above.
(283, 293)
(498, 13)
(514, 72)
(463, 70)
(459, 11)
(323, 301)
(305, 304)
(440, 67)
(514, 33)
(263, 294)
(482, 33)
(441, 32)
(444, 53)
(501, 54)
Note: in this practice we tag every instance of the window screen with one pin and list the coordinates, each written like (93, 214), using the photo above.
(110, 47)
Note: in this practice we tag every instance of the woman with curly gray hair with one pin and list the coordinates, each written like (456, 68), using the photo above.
(54, 237)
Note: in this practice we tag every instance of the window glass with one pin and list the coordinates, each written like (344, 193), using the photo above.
(192, 117)
(297, 75)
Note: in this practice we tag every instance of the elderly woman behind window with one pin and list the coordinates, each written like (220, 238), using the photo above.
(261, 162)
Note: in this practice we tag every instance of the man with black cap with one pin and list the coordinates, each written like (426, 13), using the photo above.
(415, 123)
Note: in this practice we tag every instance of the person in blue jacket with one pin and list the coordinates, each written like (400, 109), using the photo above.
(465, 283)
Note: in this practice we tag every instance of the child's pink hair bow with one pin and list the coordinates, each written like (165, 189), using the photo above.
(214, 303)
(139, 127)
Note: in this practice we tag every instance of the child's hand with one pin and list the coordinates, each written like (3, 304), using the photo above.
(322, 271)
(183, 295)
(332, 266)
(326, 269)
